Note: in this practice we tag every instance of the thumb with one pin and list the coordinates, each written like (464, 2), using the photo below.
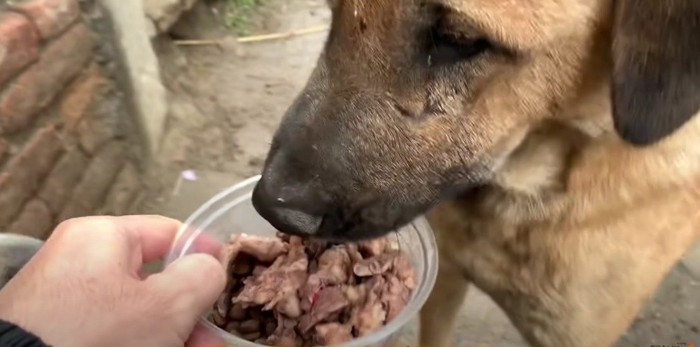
(194, 282)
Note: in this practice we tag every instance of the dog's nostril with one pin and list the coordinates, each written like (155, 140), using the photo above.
(284, 216)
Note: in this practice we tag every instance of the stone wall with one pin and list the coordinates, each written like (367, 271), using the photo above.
(68, 142)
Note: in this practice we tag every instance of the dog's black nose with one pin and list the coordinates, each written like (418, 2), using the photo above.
(291, 205)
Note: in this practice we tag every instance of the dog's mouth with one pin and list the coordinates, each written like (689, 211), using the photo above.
(368, 222)
(338, 223)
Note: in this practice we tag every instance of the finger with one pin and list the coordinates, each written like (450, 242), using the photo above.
(194, 282)
(153, 234)
(193, 240)
(204, 337)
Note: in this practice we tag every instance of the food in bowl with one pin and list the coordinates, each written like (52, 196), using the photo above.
(286, 291)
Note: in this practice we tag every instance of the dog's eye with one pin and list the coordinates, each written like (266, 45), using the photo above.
(446, 48)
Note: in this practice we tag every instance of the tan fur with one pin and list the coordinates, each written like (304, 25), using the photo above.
(571, 267)
(576, 231)
(564, 156)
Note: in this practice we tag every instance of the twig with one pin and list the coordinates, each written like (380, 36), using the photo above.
(256, 38)
(198, 42)
(277, 36)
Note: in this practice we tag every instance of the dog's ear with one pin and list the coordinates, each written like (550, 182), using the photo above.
(656, 67)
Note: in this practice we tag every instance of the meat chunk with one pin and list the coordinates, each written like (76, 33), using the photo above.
(395, 296)
(333, 334)
(376, 265)
(371, 315)
(336, 263)
(374, 247)
(288, 291)
(265, 249)
(329, 301)
(285, 335)
(405, 271)
(290, 306)
(283, 278)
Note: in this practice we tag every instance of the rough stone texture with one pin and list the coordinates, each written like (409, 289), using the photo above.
(3, 149)
(80, 96)
(96, 182)
(141, 68)
(66, 127)
(63, 179)
(50, 17)
(19, 45)
(163, 13)
(37, 87)
(25, 172)
(124, 192)
(35, 220)
(101, 127)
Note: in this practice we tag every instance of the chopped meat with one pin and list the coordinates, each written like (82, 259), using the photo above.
(290, 306)
(370, 316)
(336, 263)
(223, 304)
(330, 300)
(287, 291)
(265, 249)
(333, 334)
(284, 277)
(395, 297)
(405, 271)
(374, 247)
(249, 326)
(356, 294)
(285, 335)
(258, 270)
(376, 265)
(354, 252)
(237, 312)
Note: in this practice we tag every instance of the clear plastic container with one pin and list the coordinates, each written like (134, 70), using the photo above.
(232, 211)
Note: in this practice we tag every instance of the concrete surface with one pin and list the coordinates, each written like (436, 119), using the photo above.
(141, 71)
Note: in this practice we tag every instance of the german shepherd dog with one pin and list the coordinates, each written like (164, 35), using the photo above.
(552, 144)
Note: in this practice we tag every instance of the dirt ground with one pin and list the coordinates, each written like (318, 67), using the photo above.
(227, 99)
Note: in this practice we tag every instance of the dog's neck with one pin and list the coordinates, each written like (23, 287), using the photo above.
(581, 163)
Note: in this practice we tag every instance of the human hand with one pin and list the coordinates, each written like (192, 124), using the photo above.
(85, 287)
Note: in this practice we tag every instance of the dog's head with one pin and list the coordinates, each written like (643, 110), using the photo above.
(414, 100)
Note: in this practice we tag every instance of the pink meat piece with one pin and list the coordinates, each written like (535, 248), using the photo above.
(265, 249)
(405, 271)
(329, 300)
(333, 268)
(258, 270)
(376, 265)
(374, 247)
(394, 297)
(284, 335)
(336, 262)
(290, 306)
(371, 315)
(283, 278)
(356, 294)
(333, 334)
(353, 252)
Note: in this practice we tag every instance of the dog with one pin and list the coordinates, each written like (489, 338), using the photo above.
(553, 146)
